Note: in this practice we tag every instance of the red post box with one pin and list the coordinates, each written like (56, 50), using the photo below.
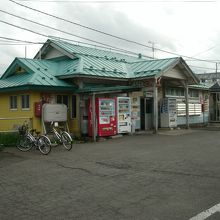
(37, 109)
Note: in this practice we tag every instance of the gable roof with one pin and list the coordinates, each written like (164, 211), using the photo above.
(75, 50)
(32, 73)
(87, 66)
(152, 67)
(215, 87)
(81, 61)
(96, 62)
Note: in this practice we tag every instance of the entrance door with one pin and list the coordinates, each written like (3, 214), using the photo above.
(142, 113)
(146, 113)
(215, 107)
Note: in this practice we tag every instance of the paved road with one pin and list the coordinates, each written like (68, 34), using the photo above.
(172, 175)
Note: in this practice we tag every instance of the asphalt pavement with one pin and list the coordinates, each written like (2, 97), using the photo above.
(166, 176)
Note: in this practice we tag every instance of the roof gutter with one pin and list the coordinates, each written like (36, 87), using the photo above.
(103, 77)
(36, 88)
(90, 76)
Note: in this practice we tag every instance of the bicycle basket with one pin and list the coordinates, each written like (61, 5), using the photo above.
(22, 129)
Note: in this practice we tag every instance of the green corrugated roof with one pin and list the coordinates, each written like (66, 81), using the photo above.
(152, 67)
(201, 86)
(102, 63)
(102, 67)
(67, 67)
(36, 73)
(89, 62)
(96, 52)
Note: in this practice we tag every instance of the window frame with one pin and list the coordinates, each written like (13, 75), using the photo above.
(26, 104)
(193, 93)
(73, 106)
(174, 92)
(13, 106)
(62, 99)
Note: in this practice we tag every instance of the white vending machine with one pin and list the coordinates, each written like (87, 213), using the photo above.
(136, 113)
(168, 113)
(123, 114)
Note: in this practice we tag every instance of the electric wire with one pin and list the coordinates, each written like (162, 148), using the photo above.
(204, 51)
(30, 42)
(84, 38)
(61, 38)
(5, 22)
(74, 35)
(200, 67)
(156, 1)
(21, 41)
(107, 34)
(13, 44)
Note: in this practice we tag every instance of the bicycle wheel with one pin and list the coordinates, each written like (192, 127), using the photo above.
(24, 143)
(44, 144)
(66, 140)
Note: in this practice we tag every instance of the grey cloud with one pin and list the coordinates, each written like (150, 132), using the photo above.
(116, 23)
(101, 17)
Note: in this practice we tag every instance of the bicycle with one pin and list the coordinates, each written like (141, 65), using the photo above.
(61, 137)
(28, 140)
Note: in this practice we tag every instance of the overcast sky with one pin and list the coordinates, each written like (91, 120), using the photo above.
(189, 28)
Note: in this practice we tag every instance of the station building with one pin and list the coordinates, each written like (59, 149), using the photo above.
(164, 93)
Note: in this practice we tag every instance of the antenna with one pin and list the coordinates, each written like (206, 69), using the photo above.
(153, 48)
(25, 51)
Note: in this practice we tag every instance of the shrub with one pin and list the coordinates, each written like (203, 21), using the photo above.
(8, 139)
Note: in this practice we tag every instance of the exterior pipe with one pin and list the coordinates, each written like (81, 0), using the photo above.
(155, 107)
(94, 118)
(187, 104)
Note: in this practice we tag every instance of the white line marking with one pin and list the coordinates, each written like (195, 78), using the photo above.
(207, 213)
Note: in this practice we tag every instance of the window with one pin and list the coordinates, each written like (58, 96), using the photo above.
(13, 102)
(63, 99)
(25, 101)
(194, 109)
(73, 113)
(174, 91)
(194, 93)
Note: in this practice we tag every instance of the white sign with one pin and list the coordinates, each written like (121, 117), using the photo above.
(54, 112)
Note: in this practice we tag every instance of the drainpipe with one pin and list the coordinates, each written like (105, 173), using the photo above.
(94, 118)
(155, 107)
(187, 104)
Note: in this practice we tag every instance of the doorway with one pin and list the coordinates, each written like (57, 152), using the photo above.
(214, 107)
(146, 113)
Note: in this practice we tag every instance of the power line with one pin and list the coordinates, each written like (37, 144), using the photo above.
(73, 1)
(17, 40)
(13, 44)
(12, 41)
(83, 26)
(68, 33)
(47, 36)
(107, 34)
(23, 28)
(201, 52)
(200, 67)
(103, 47)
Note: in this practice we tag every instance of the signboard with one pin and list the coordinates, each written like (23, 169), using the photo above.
(54, 112)
(148, 94)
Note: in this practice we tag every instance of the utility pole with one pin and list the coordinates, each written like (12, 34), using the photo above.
(153, 48)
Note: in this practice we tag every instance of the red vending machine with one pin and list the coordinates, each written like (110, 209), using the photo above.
(105, 117)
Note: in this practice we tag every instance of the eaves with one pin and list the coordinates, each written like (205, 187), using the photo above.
(37, 88)
(92, 77)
